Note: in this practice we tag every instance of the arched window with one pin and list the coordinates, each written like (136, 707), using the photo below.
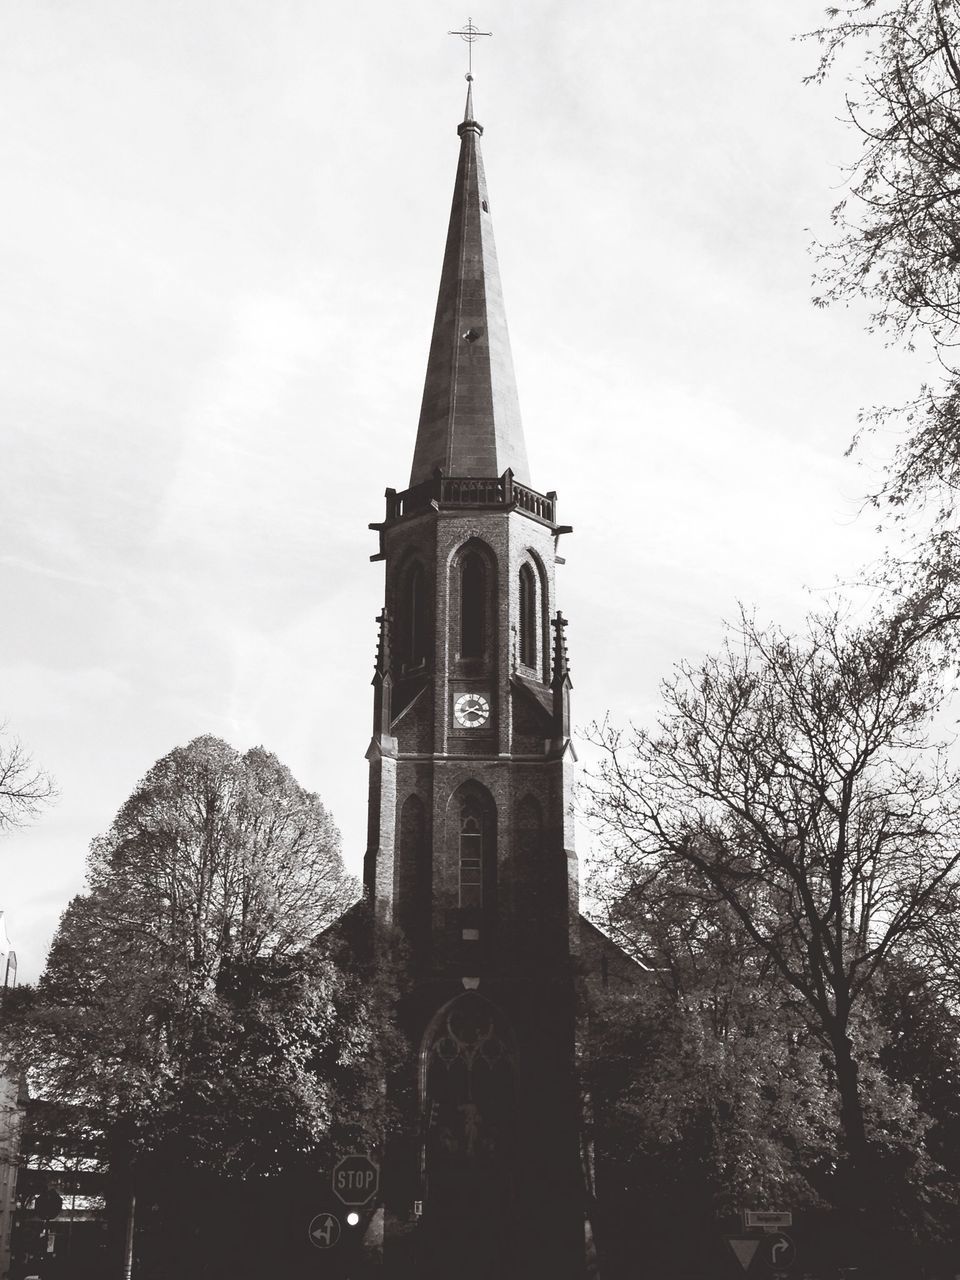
(472, 606)
(528, 616)
(411, 637)
(468, 1091)
(471, 859)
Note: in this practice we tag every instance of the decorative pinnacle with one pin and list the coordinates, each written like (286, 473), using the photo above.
(384, 658)
(561, 662)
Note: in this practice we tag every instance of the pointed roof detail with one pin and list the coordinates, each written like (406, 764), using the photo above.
(470, 417)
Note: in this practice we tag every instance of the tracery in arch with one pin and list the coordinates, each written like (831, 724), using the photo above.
(468, 1099)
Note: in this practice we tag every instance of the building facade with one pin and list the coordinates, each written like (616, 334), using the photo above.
(470, 859)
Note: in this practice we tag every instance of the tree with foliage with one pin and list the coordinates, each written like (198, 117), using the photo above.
(707, 1090)
(24, 787)
(745, 1113)
(923, 1050)
(197, 1010)
(792, 779)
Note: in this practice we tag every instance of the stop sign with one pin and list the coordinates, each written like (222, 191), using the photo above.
(356, 1180)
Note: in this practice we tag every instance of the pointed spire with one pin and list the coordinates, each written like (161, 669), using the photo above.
(468, 109)
(470, 416)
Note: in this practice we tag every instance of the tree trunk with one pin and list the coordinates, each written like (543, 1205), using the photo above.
(855, 1187)
(126, 1269)
(121, 1211)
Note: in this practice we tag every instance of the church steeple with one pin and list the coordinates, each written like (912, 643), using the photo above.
(470, 416)
(470, 855)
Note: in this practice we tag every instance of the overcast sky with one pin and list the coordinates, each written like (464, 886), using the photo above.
(220, 244)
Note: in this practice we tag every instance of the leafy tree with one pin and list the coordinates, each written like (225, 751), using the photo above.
(922, 1049)
(709, 1090)
(792, 781)
(197, 1009)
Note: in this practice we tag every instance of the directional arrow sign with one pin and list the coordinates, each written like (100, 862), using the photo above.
(743, 1249)
(324, 1231)
(781, 1251)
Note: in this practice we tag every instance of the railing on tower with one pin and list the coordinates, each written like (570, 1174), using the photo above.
(472, 491)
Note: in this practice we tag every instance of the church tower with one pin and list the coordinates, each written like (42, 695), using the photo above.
(470, 859)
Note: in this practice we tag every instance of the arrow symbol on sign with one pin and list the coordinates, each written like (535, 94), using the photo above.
(324, 1231)
(780, 1247)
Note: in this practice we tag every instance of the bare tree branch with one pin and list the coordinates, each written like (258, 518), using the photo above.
(25, 789)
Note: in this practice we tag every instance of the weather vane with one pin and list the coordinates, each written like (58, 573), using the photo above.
(469, 33)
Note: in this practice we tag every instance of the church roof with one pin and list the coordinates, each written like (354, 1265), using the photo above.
(470, 417)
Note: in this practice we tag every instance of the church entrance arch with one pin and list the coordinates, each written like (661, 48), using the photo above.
(469, 1122)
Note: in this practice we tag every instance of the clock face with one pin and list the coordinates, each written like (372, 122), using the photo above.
(472, 710)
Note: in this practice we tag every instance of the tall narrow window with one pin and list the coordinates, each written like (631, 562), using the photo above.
(528, 616)
(417, 616)
(471, 863)
(412, 633)
(472, 607)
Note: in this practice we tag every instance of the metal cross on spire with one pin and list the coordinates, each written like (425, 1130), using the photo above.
(469, 33)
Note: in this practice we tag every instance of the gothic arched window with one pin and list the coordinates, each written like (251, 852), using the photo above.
(412, 634)
(471, 856)
(468, 1063)
(472, 606)
(528, 616)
